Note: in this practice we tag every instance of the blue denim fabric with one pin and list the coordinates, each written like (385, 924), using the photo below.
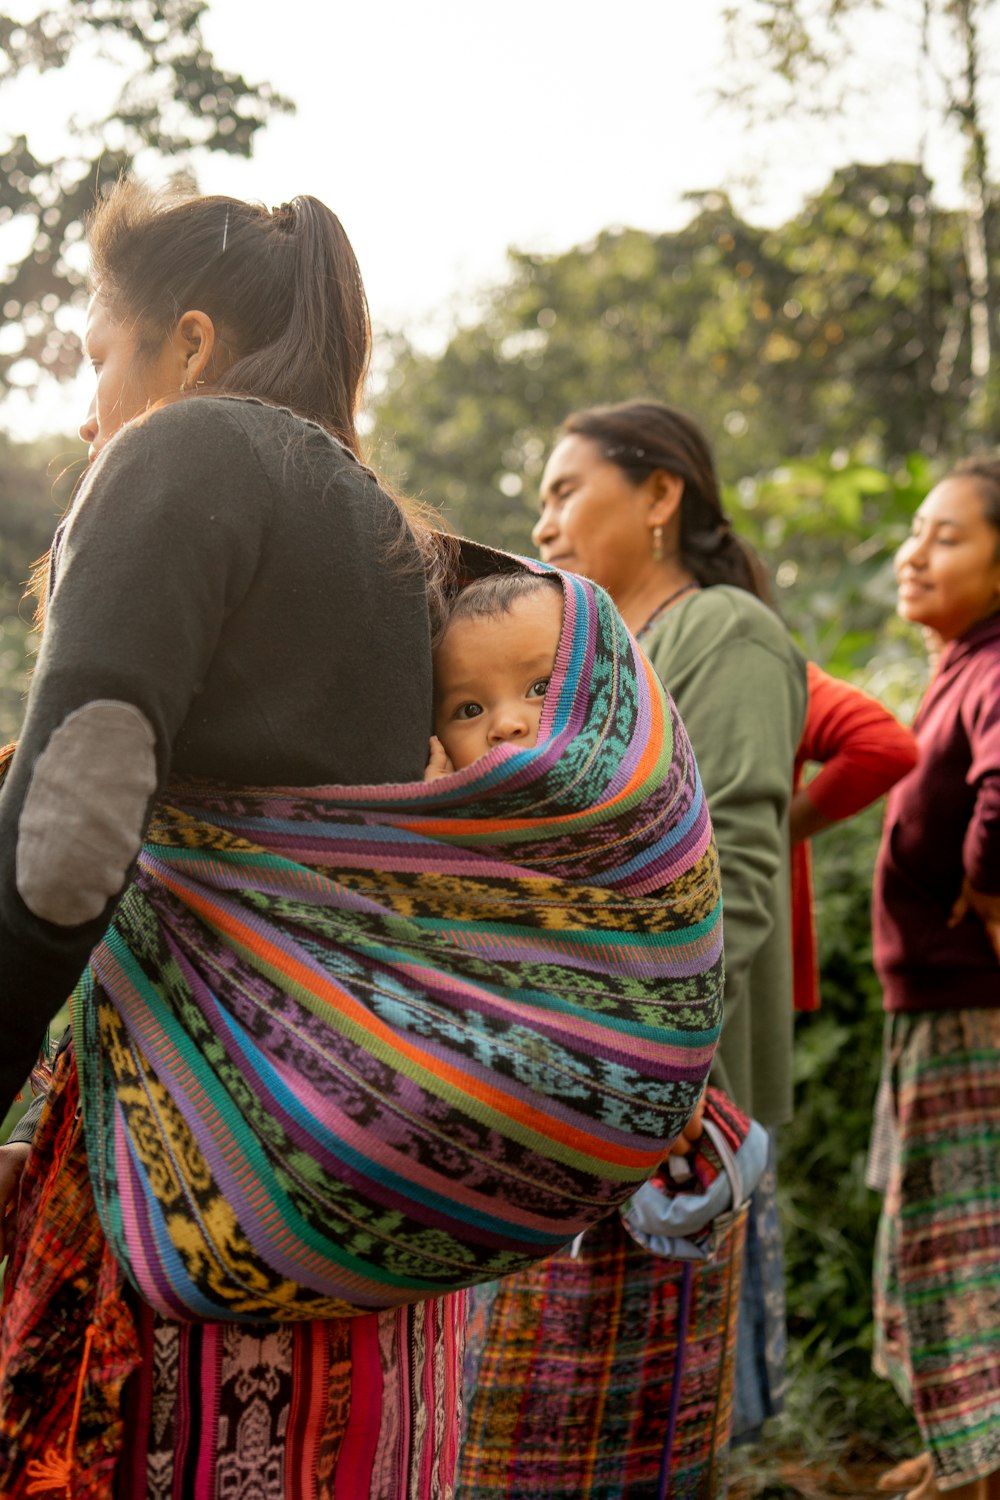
(760, 1380)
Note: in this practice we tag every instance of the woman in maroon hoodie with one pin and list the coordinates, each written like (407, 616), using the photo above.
(936, 1150)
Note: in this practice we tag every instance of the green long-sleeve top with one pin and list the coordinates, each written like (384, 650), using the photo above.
(740, 686)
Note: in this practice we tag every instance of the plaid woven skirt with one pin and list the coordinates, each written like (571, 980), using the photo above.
(606, 1376)
(937, 1262)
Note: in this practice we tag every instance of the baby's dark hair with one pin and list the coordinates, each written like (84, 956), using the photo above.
(491, 597)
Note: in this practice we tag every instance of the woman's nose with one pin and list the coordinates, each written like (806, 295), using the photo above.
(88, 427)
(544, 528)
(912, 554)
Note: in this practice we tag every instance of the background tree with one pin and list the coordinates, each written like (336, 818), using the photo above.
(798, 56)
(173, 99)
(820, 334)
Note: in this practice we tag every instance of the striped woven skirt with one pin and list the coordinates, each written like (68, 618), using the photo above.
(344, 1409)
(604, 1377)
(937, 1264)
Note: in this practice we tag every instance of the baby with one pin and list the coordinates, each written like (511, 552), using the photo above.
(492, 664)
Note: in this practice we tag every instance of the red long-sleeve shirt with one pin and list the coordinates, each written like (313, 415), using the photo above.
(863, 751)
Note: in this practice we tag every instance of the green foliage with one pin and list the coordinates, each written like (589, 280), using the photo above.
(828, 526)
(173, 99)
(12, 1116)
(829, 334)
(35, 481)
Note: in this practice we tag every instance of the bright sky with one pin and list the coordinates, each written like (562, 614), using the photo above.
(444, 131)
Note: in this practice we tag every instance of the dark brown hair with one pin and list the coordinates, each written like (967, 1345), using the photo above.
(985, 470)
(494, 595)
(282, 287)
(284, 291)
(642, 436)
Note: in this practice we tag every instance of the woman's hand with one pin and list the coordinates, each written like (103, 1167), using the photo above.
(805, 818)
(12, 1159)
(438, 764)
(986, 908)
(692, 1132)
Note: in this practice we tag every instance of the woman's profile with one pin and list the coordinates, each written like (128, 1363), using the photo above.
(936, 930)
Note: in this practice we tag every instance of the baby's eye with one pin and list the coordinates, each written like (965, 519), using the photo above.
(539, 688)
(468, 711)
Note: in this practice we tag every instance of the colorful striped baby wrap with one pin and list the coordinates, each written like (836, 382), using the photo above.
(349, 1047)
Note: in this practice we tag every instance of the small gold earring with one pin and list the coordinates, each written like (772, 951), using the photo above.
(657, 543)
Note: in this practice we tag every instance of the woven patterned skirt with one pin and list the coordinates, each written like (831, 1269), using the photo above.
(353, 1409)
(580, 1386)
(937, 1265)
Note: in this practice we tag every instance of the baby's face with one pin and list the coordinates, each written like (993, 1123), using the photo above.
(490, 677)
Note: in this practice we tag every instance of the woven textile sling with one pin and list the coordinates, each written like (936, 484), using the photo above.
(344, 1048)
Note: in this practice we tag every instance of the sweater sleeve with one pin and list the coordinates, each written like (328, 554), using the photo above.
(743, 714)
(861, 746)
(981, 848)
(159, 547)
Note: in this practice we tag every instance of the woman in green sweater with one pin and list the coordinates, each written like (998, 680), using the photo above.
(630, 499)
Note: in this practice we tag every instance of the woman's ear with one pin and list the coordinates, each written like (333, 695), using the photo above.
(666, 491)
(193, 342)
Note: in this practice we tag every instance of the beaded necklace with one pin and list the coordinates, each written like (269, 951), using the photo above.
(661, 608)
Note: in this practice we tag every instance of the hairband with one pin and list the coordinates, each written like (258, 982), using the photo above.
(625, 448)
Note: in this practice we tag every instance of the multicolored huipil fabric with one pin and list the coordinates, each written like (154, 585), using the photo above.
(63, 1322)
(100, 1397)
(346, 1048)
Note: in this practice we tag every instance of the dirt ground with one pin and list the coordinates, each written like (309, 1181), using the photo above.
(785, 1478)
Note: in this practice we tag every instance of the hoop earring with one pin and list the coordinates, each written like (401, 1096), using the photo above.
(657, 543)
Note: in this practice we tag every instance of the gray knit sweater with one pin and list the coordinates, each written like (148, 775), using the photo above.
(233, 597)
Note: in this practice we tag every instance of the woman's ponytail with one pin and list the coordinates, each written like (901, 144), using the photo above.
(317, 362)
(718, 555)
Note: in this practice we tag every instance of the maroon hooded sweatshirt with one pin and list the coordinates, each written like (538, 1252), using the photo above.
(942, 824)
